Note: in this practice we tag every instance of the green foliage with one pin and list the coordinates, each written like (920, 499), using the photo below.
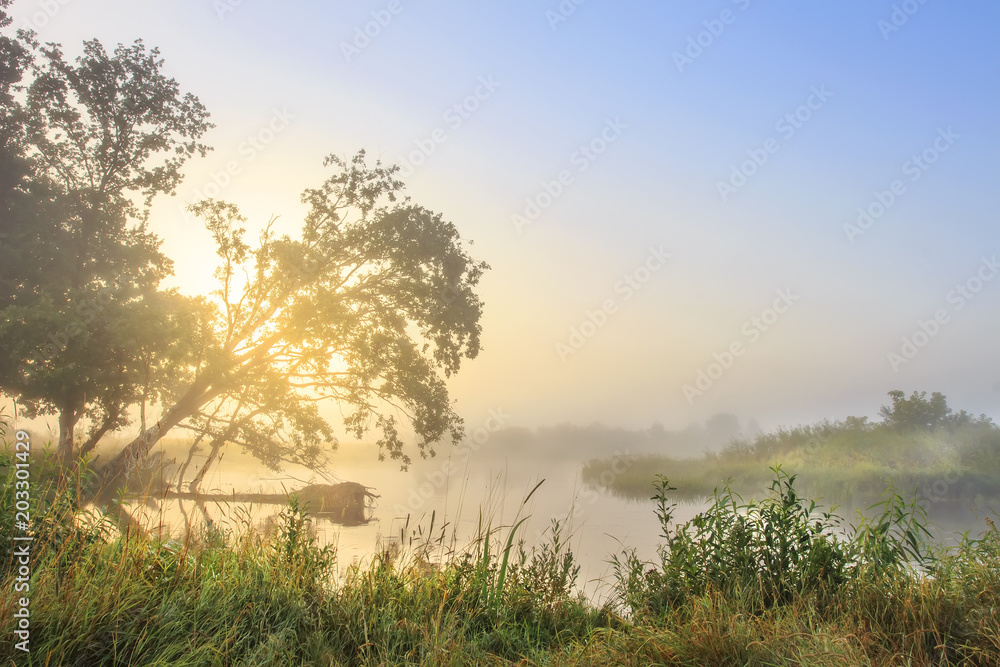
(551, 571)
(895, 539)
(240, 598)
(850, 461)
(764, 552)
(85, 332)
(371, 306)
(492, 575)
(298, 549)
(59, 523)
(920, 413)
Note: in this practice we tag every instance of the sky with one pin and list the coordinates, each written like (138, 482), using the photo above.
(780, 210)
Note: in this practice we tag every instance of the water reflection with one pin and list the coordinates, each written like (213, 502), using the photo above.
(441, 505)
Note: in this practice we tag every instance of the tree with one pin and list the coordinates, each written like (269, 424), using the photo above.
(916, 412)
(919, 413)
(371, 306)
(85, 331)
(14, 62)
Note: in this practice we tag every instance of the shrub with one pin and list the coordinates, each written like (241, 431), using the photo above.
(769, 552)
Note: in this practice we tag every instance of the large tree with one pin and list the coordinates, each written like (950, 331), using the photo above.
(371, 306)
(85, 332)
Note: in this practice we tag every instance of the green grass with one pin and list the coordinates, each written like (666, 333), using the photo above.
(850, 462)
(769, 582)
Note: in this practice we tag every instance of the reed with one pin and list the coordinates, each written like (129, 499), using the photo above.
(758, 582)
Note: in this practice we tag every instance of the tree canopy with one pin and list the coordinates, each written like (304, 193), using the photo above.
(85, 330)
(371, 306)
(921, 413)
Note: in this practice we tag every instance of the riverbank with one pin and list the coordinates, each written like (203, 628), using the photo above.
(738, 585)
(844, 462)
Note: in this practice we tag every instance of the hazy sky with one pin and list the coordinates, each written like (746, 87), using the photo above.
(675, 182)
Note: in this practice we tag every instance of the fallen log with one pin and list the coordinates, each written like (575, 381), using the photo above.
(345, 502)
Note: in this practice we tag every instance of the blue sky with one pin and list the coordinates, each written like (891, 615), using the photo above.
(556, 86)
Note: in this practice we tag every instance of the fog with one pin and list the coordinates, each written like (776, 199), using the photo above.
(458, 489)
(441, 504)
(696, 232)
(891, 110)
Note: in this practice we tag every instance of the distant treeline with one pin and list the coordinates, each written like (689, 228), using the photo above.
(577, 442)
(919, 445)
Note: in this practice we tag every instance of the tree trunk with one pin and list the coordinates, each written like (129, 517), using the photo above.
(67, 428)
(136, 451)
(190, 457)
(114, 472)
(96, 436)
(194, 447)
(217, 444)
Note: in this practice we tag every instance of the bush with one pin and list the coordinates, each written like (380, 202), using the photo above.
(763, 552)
(770, 552)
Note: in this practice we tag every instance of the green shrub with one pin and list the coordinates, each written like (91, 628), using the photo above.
(764, 552)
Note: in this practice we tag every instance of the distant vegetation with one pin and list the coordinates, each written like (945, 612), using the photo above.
(572, 441)
(920, 443)
(760, 583)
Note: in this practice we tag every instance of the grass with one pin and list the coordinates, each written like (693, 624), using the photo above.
(769, 582)
(851, 461)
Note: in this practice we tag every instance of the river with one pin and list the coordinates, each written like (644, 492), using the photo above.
(463, 492)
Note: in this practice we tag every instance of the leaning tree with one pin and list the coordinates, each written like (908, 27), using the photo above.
(370, 306)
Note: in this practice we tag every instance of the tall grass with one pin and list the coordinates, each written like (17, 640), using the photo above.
(767, 582)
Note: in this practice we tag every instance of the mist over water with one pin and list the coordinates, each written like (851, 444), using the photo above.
(458, 492)
(441, 504)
